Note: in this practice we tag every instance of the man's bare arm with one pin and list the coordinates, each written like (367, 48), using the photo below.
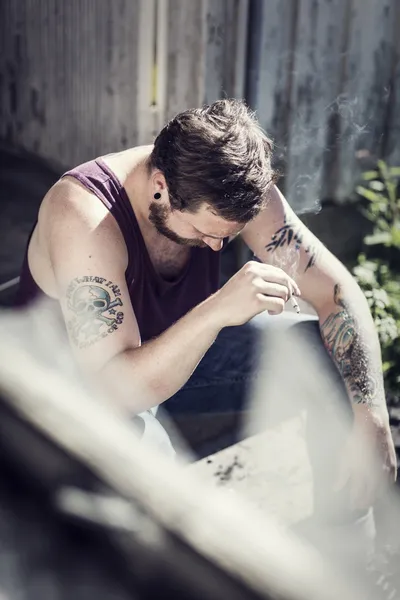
(89, 260)
(278, 236)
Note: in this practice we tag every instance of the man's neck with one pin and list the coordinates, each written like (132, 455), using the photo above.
(136, 181)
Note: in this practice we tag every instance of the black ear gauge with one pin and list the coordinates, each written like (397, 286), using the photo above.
(157, 196)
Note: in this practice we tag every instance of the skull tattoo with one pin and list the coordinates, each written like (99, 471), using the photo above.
(89, 303)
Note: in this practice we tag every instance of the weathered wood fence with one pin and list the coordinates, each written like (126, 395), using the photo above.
(86, 77)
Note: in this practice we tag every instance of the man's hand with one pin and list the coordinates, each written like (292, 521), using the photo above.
(254, 289)
(368, 462)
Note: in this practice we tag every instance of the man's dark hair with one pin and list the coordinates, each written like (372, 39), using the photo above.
(216, 154)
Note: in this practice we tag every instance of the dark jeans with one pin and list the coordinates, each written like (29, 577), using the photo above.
(224, 382)
(283, 363)
(209, 408)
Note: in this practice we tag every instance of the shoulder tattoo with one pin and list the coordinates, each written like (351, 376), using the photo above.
(96, 308)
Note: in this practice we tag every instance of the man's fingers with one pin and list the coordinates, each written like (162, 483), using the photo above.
(279, 276)
(272, 304)
(272, 289)
(274, 275)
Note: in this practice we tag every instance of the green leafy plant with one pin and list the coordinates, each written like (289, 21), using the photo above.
(378, 266)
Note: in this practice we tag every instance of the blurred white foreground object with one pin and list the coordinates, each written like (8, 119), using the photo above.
(227, 532)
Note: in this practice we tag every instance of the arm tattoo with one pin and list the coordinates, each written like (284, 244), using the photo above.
(290, 233)
(96, 309)
(352, 354)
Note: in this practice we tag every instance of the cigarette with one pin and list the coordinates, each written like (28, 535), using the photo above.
(294, 304)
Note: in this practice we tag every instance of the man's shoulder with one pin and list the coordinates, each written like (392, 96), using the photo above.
(69, 200)
(69, 207)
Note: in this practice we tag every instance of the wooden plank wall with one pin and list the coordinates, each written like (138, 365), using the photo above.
(329, 91)
(315, 85)
(270, 85)
(85, 77)
(206, 48)
(366, 87)
(69, 76)
(391, 146)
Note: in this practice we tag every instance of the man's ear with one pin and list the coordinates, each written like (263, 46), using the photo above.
(158, 181)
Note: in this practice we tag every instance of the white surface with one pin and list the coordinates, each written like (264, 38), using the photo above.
(271, 470)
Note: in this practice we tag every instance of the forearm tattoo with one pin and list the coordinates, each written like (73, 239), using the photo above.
(96, 307)
(352, 353)
(290, 235)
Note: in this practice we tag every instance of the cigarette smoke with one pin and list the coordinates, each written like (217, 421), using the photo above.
(286, 258)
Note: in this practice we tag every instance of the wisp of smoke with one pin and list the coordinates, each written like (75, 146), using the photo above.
(286, 258)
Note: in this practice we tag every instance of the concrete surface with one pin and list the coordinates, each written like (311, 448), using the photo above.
(271, 470)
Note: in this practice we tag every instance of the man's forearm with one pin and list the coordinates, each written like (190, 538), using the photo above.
(350, 337)
(156, 370)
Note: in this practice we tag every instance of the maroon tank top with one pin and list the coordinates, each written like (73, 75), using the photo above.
(157, 303)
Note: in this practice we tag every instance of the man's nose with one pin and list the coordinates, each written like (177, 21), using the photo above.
(213, 243)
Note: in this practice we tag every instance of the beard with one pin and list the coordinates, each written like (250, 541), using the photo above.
(158, 216)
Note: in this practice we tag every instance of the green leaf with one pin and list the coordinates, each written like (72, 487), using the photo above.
(368, 175)
(365, 276)
(366, 193)
(381, 237)
(383, 169)
(387, 365)
(378, 268)
(377, 186)
(395, 234)
(393, 171)
(381, 295)
(382, 224)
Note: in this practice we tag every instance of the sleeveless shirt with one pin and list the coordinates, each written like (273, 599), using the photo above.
(157, 303)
